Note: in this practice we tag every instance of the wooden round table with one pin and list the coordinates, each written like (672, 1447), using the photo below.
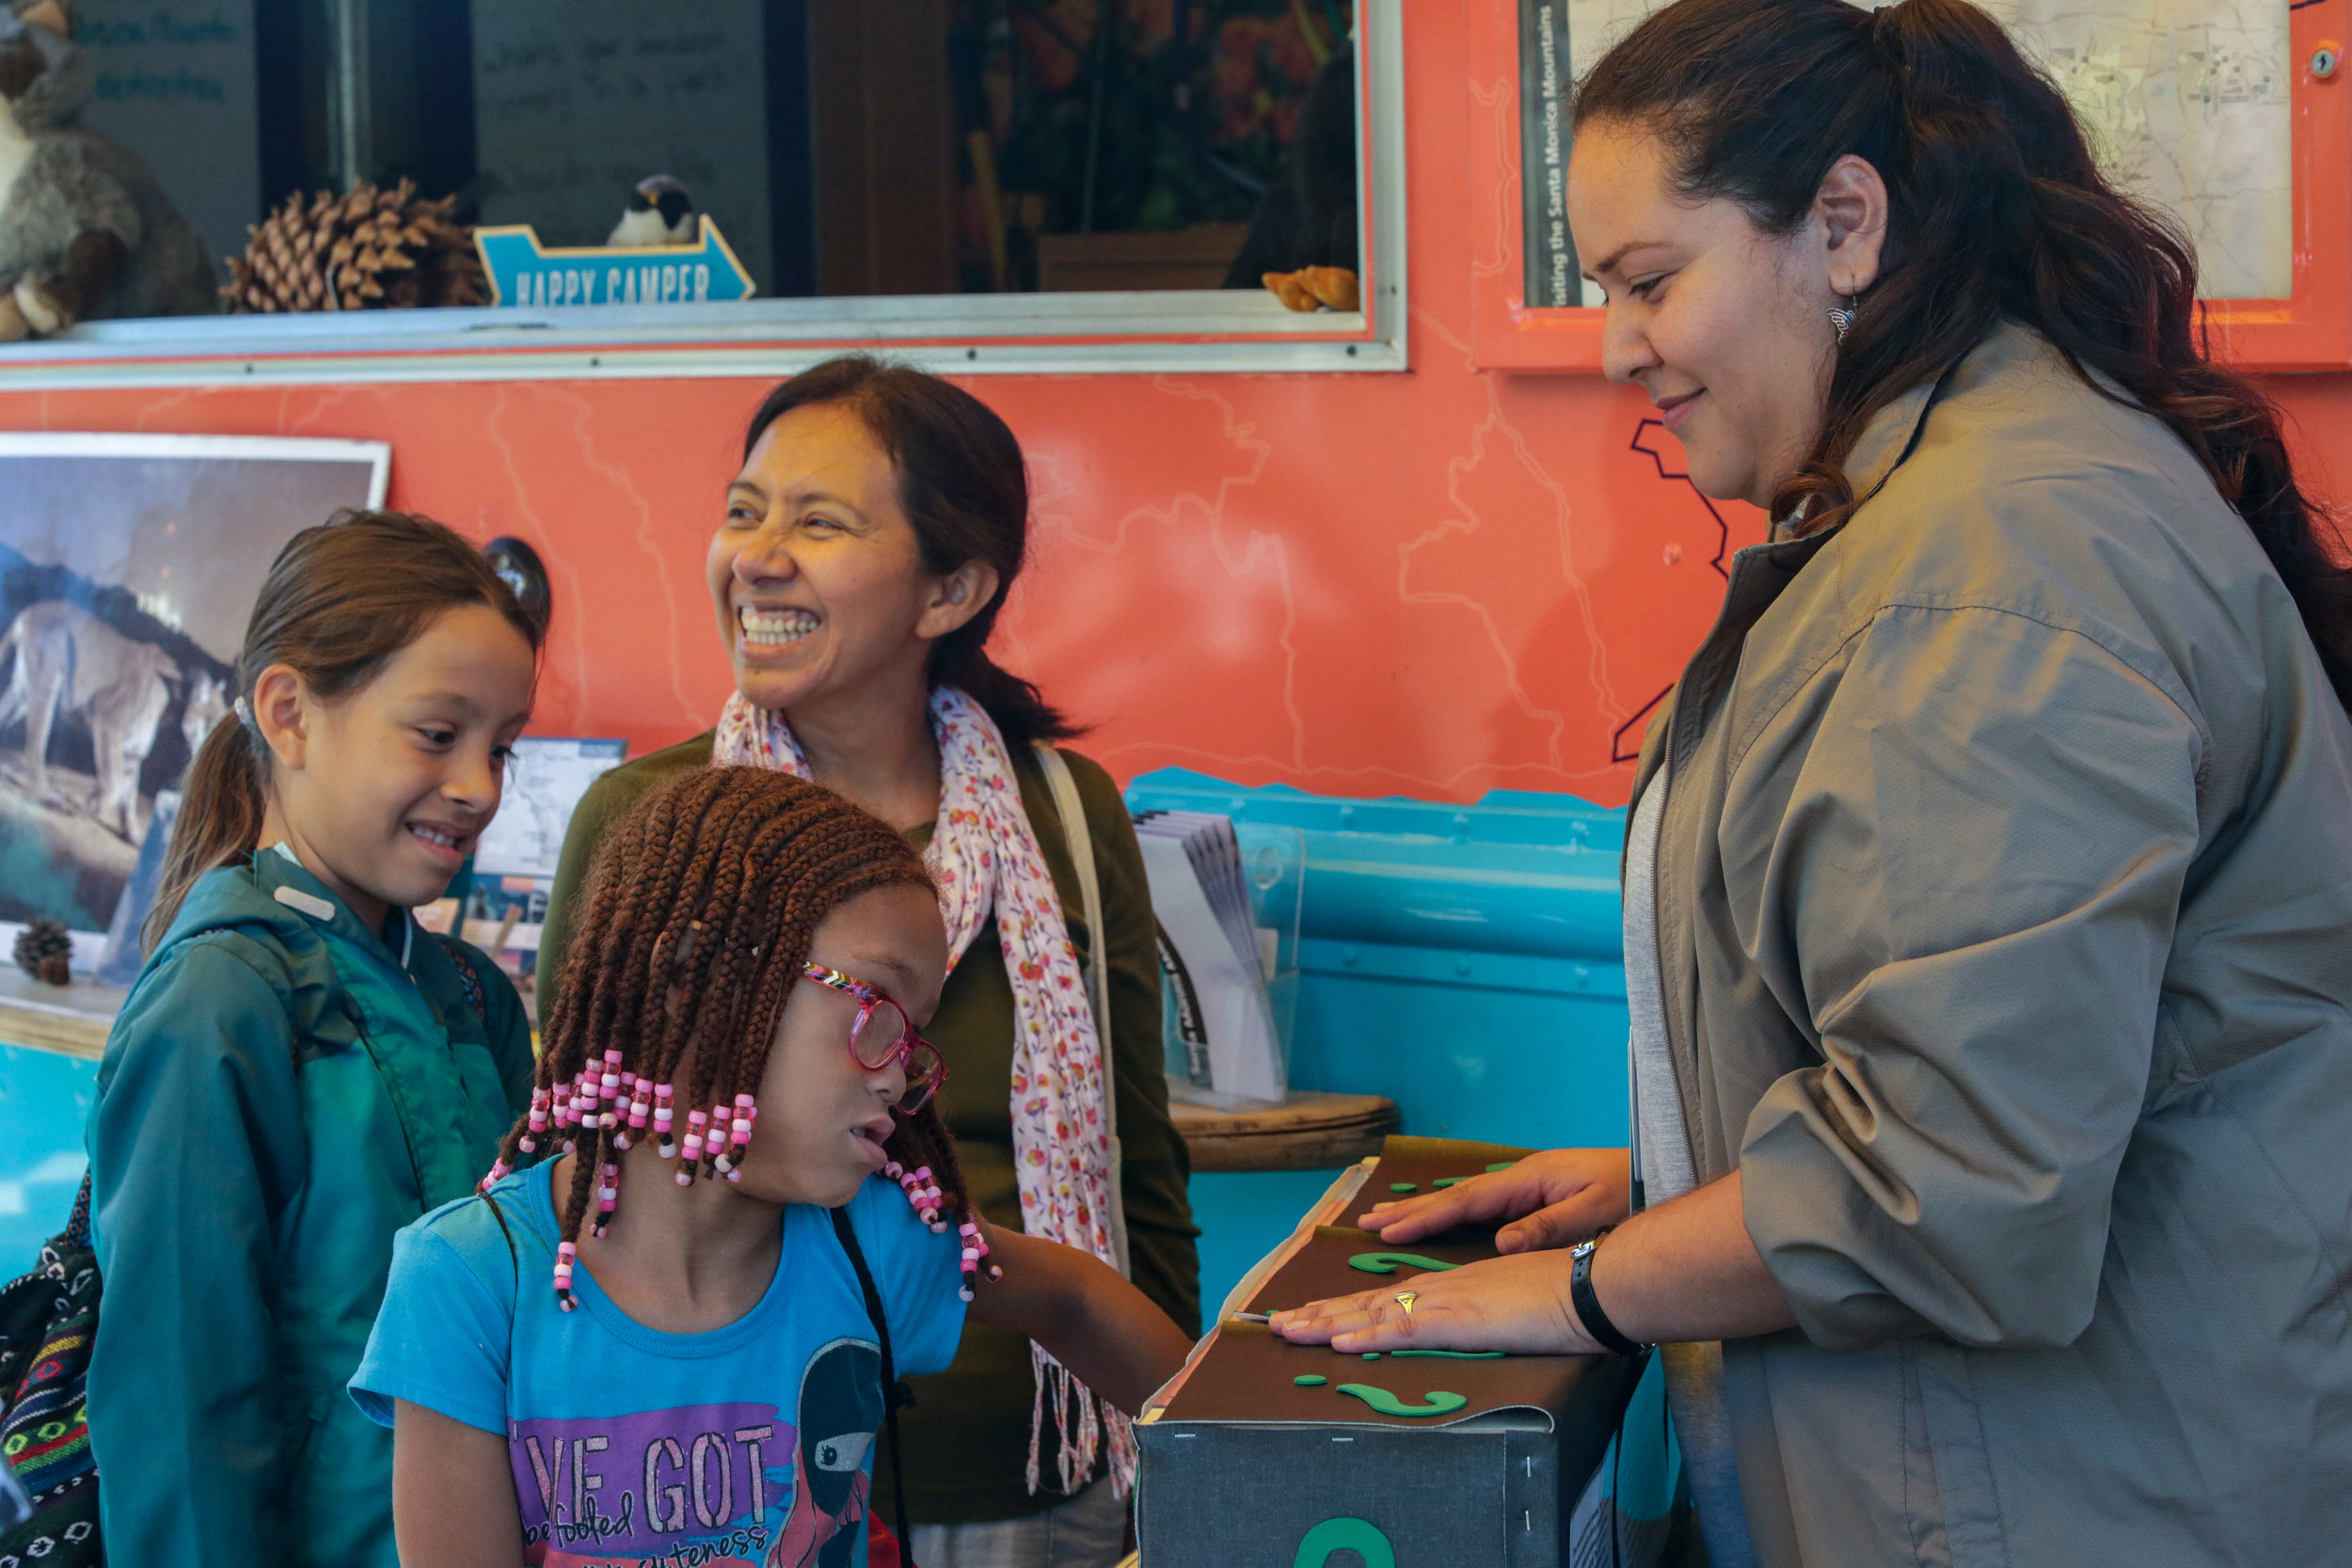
(1306, 1132)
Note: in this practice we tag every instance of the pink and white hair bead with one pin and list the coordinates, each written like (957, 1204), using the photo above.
(922, 1191)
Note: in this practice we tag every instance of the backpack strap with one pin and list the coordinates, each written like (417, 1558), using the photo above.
(468, 976)
(895, 1392)
(76, 1232)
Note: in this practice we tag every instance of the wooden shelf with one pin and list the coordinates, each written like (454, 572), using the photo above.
(1306, 1132)
(72, 1021)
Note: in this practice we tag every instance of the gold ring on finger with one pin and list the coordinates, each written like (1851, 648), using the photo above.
(1406, 1300)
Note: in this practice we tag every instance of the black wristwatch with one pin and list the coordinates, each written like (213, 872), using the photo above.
(1581, 1294)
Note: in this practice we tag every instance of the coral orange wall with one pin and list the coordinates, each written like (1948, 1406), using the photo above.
(1433, 583)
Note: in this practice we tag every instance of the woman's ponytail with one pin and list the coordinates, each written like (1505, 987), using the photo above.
(1998, 209)
(338, 601)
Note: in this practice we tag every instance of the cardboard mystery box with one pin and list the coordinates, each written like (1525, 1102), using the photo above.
(1244, 1466)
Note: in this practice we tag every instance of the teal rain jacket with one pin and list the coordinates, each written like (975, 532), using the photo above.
(282, 1091)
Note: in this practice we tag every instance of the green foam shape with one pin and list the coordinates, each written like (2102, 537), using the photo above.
(1372, 1356)
(1385, 1262)
(1403, 1187)
(1334, 1536)
(1454, 1355)
(1505, 1164)
(1448, 1181)
(1439, 1402)
(1310, 1380)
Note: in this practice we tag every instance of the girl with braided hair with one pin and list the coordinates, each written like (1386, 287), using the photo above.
(651, 1343)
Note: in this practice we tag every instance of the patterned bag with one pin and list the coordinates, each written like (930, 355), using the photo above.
(48, 1319)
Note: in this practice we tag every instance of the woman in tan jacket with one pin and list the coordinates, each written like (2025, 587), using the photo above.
(1988, 885)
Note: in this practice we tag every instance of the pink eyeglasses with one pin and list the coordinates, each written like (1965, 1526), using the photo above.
(882, 1035)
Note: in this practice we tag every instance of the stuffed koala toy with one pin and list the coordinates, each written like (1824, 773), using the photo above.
(84, 230)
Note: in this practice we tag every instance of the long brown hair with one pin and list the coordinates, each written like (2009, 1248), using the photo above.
(340, 600)
(1996, 209)
(692, 933)
(966, 490)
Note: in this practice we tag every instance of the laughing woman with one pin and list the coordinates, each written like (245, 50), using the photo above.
(877, 524)
(1988, 881)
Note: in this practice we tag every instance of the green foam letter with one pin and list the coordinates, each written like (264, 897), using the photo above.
(1360, 1536)
(1439, 1401)
(1385, 1262)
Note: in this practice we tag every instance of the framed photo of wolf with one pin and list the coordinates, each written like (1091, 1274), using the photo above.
(128, 569)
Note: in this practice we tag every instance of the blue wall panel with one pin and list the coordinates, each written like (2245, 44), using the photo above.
(44, 1103)
(1466, 961)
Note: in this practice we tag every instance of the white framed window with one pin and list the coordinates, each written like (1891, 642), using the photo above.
(1046, 327)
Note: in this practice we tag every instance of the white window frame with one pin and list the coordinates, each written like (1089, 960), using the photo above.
(1173, 330)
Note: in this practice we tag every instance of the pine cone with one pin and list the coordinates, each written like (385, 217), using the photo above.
(366, 250)
(44, 950)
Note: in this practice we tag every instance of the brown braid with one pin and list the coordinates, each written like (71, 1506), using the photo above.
(693, 927)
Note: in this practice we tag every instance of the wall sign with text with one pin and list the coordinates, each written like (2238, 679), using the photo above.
(524, 272)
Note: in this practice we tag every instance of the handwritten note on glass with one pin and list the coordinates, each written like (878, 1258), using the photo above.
(575, 103)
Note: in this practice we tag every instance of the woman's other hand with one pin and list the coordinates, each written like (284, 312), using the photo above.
(1508, 1304)
(1553, 1199)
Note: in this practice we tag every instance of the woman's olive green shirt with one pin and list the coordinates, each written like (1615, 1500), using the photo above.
(967, 1437)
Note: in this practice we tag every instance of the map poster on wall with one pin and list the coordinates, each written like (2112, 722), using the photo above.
(1544, 88)
(2186, 103)
(546, 776)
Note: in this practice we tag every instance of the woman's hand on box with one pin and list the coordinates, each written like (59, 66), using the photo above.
(1553, 1199)
(1519, 1305)
(1684, 1270)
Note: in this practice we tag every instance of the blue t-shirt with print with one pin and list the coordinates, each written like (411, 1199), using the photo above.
(631, 1449)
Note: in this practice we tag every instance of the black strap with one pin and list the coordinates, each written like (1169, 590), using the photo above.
(77, 1232)
(895, 1392)
(1587, 1302)
(498, 1213)
(468, 976)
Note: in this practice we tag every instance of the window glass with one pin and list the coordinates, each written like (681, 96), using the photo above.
(875, 148)
(2186, 103)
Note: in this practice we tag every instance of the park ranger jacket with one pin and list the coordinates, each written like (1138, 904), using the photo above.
(2005, 921)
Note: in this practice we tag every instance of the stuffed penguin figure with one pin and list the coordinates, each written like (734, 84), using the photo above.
(660, 211)
(84, 230)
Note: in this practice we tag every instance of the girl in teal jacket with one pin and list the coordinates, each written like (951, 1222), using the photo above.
(299, 1071)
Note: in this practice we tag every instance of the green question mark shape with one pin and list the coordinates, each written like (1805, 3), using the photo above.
(1441, 1402)
(1360, 1536)
(1385, 1262)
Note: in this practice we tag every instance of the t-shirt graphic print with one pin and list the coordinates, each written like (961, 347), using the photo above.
(630, 1488)
(750, 1445)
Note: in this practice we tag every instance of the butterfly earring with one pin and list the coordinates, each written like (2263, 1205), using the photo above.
(1842, 316)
